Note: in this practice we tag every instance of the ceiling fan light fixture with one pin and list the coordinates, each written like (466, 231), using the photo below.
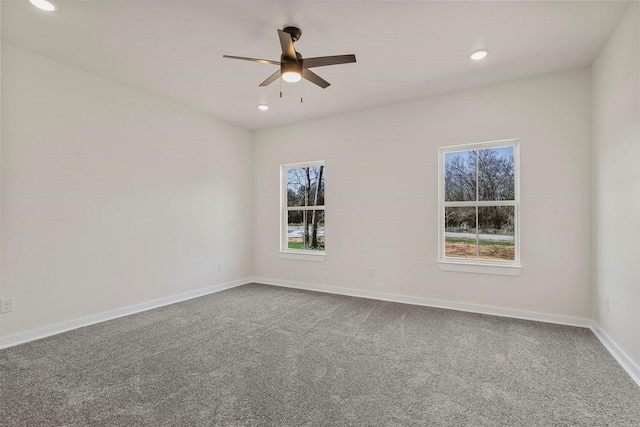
(291, 72)
(45, 5)
(479, 54)
(263, 107)
(291, 76)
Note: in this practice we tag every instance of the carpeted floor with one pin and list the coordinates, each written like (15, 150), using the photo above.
(267, 356)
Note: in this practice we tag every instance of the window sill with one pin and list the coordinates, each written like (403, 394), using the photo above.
(302, 256)
(480, 268)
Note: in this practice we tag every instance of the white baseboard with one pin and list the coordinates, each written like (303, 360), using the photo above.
(632, 368)
(58, 328)
(472, 308)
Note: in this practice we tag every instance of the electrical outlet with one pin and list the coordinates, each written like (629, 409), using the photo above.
(372, 272)
(6, 305)
(219, 267)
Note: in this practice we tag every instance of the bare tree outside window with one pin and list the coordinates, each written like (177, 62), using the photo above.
(479, 204)
(305, 207)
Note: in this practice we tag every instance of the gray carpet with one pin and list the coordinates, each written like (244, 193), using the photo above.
(268, 356)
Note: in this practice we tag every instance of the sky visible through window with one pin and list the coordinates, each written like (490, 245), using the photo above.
(506, 152)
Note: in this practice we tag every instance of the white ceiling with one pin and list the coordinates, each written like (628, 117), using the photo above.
(405, 49)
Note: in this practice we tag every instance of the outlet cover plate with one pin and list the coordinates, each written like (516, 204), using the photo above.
(6, 305)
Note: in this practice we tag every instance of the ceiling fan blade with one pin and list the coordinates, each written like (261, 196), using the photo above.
(314, 78)
(321, 61)
(272, 78)
(286, 42)
(263, 61)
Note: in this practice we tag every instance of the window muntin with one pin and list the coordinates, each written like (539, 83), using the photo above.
(479, 203)
(303, 210)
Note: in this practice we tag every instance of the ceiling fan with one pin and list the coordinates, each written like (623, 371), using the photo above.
(293, 66)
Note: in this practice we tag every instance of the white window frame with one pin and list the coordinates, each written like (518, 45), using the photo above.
(285, 251)
(506, 268)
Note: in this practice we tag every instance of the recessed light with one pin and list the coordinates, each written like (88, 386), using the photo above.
(263, 107)
(45, 5)
(479, 54)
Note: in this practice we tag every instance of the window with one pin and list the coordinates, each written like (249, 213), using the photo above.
(478, 212)
(302, 229)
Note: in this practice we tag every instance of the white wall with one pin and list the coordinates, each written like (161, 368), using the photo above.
(112, 197)
(381, 194)
(616, 184)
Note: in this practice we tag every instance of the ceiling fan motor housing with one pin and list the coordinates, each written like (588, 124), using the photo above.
(291, 67)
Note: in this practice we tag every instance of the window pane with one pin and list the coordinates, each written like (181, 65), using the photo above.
(460, 176)
(305, 186)
(496, 174)
(496, 233)
(305, 230)
(460, 232)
